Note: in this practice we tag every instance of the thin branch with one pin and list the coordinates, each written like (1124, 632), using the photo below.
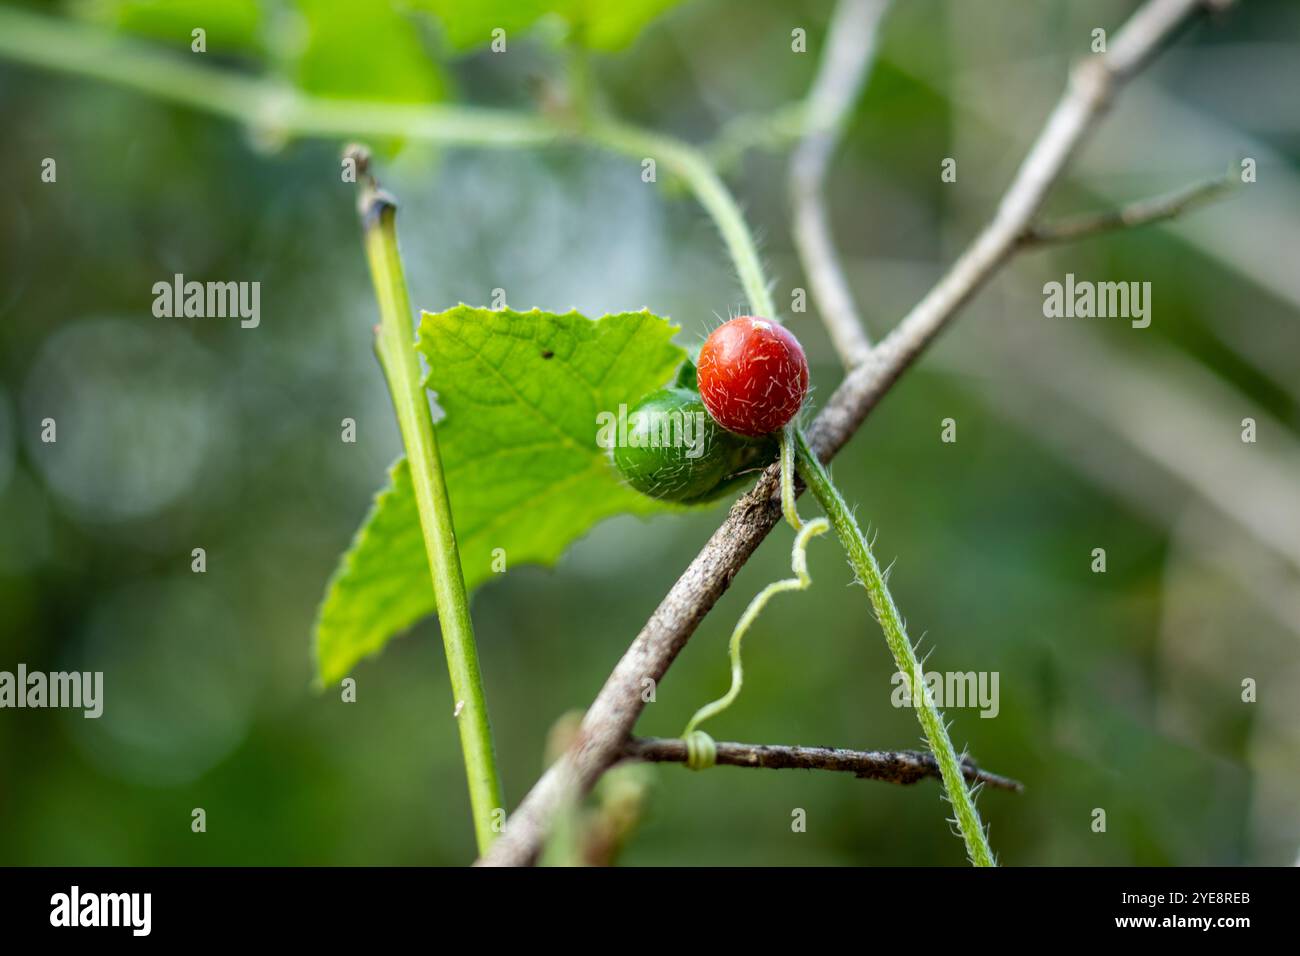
(1140, 213)
(851, 46)
(890, 766)
(610, 719)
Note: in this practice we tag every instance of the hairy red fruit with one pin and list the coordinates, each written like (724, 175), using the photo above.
(753, 375)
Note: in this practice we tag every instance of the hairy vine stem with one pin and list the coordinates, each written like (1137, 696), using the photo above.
(867, 569)
(703, 180)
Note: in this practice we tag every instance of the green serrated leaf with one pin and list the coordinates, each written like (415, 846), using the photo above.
(521, 392)
(381, 585)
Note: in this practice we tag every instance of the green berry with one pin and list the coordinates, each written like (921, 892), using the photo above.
(673, 450)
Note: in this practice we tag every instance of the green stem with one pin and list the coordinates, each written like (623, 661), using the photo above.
(864, 564)
(788, 506)
(395, 344)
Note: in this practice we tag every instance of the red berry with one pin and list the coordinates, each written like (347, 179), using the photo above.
(752, 375)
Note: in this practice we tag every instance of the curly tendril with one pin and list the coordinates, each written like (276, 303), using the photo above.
(701, 752)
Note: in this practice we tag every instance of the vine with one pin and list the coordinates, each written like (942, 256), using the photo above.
(701, 748)
(866, 567)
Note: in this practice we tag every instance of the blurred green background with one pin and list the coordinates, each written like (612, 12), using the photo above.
(1119, 691)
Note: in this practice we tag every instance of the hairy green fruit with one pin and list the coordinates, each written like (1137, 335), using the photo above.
(671, 448)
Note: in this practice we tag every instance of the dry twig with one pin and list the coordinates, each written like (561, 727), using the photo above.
(843, 72)
(891, 766)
